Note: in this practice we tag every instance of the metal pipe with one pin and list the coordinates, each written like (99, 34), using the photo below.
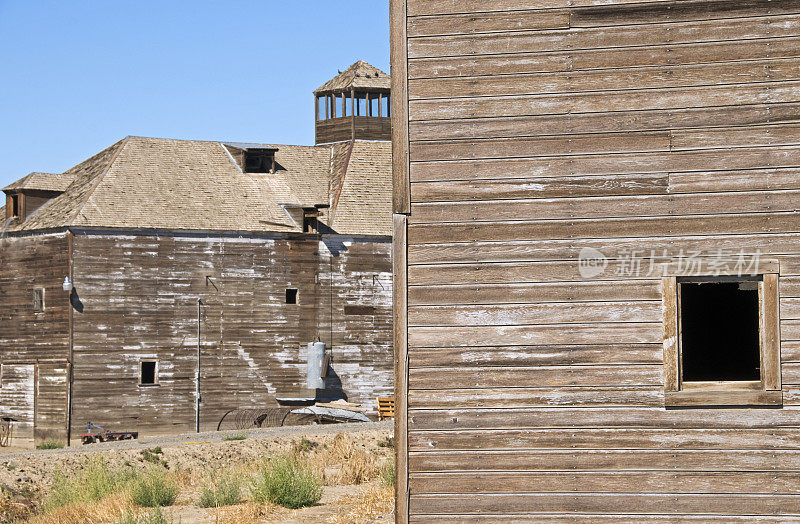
(197, 377)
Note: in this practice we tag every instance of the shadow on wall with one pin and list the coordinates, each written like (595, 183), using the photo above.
(333, 388)
(75, 300)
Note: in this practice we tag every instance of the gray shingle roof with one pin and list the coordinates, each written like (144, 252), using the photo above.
(360, 75)
(154, 183)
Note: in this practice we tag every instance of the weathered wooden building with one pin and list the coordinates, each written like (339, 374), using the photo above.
(281, 245)
(597, 262)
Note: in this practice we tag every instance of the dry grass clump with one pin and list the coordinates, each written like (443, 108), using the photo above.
(108, 509)
(246, 513)
(377, 501)
(356, 465)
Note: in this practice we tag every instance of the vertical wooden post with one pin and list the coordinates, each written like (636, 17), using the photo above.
(380, 104)
(316, 108)
(398, 98)
(327, 107)
(352, 113)
(400, 318)
(669, 291)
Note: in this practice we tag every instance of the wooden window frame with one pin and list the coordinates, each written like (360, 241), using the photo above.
(764, 392)
(155, 373)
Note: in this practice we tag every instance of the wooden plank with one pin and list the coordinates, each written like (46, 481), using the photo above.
(648, 99)
(439, 7)
(678, 12)
(605, 228)
(628, 504)
(534, 314)
(465, 65)
(618, 121)
(514, 293)
(776, 134)
(543, 355)
(401, 380)
(541, 146)
(602, 459)
(459, 201)
(488, 22)
(608, 482)
(478, 377)
(605, 38)
(399, 108)
(617, 250)
(642, 77)
(622, 164)
(689, 398)
(570, 187)
(595, 333)
(519, 397)
(770, 332)
(606, 439)
(461, 419)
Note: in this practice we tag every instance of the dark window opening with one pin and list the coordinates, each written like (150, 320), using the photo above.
(720, 331)
(291, 296)
(147, 372)
(259, 162)
(310, 220)
(14, 205)
(38, 300)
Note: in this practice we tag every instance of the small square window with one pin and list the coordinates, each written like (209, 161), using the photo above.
(148, 372)
(719, 331)
(721, 340)
(38, 300)
(291, 296)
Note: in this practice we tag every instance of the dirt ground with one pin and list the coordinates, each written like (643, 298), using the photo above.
(194, 455)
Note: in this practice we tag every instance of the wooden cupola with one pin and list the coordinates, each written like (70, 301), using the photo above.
(355, 105)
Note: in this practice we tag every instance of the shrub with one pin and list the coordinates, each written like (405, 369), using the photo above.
(50, 443)
(387, 473)
(92, 483)
(235, 436)
(153, 489)
(287, 482)
(225, 491)
(154, 456)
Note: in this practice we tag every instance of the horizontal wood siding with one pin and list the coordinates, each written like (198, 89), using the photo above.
(646, 130)
(139, 299)
(28, 337)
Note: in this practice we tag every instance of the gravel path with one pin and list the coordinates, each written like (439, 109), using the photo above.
(206, 437)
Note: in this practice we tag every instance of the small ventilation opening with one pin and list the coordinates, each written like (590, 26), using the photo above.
(291, 296)
(719, 331)
(147, 372)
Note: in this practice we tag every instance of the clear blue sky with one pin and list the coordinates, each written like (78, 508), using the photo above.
(77, 76)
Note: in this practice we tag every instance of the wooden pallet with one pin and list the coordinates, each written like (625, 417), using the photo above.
(385, 408)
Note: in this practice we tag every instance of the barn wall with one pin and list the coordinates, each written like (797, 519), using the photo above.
(139, 298)
(536, 129)
(28, 337)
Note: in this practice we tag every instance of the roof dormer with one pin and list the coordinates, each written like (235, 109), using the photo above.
(253, 158)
